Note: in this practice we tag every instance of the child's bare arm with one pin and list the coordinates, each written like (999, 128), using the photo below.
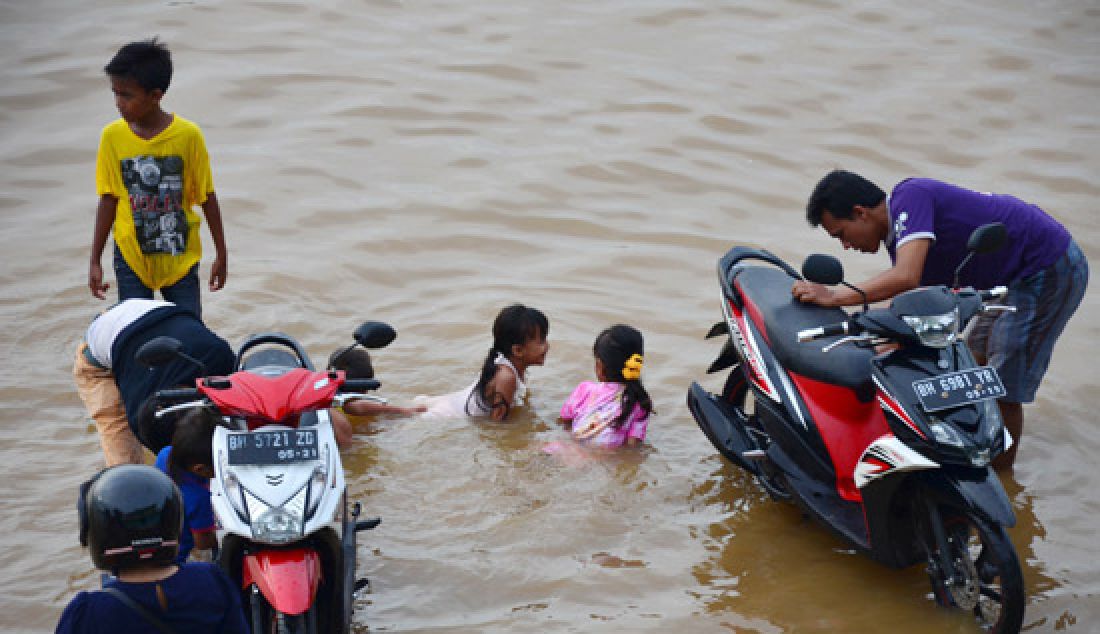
(341, 428)
(220, 269)
(205, 540)
(366, 408)
(104, 219)
(502, 391)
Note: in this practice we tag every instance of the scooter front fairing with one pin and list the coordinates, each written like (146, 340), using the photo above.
(288, 579)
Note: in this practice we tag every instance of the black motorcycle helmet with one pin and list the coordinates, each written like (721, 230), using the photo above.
(130, 515)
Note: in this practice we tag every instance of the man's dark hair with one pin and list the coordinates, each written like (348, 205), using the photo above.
(147, 62)
(838, 193)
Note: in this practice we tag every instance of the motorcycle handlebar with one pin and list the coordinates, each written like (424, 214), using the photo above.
(821, 332)
(180, 394)
(360, 385)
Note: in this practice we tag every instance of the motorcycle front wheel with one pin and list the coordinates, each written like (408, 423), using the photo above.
(268, 620)
(984, 576)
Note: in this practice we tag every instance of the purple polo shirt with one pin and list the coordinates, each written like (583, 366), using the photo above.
(926, 208)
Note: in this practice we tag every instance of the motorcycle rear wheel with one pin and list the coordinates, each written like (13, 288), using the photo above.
(736, 393)
(986, 571)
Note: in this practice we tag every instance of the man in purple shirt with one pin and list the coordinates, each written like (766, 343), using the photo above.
(925, 225)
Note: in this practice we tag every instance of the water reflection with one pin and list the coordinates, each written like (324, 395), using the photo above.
(1027, 533)
(749, 572)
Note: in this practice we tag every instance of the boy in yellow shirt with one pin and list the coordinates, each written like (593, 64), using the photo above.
(152, 169)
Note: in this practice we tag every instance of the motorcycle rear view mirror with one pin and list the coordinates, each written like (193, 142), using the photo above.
(987, 238)
(159, 351)
(827, 270)
(823, 269)
(375, 334)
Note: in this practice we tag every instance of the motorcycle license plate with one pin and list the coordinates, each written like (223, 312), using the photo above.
(958, 388)
(272, 447)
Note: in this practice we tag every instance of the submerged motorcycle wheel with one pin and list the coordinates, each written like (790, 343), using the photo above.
(268, 620)
(986, 578)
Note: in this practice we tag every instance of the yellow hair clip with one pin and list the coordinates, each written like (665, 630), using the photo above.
(632, 369)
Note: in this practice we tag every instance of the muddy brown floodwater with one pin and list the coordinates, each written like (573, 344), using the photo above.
(425, 163)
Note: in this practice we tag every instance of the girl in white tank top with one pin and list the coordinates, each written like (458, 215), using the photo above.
(519, 341)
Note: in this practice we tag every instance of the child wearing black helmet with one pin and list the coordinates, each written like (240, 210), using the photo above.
(130, 519)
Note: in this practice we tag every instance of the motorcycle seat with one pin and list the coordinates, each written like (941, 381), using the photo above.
(768, 290)
(276, 358)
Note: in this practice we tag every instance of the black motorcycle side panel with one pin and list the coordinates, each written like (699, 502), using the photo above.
(979, 490)
(807, 447)
(723, 425)
(821, 500)
(891, 521)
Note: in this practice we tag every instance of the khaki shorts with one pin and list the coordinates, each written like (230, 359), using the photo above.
(97, 389)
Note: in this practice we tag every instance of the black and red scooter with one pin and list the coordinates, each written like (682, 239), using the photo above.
(879, 424)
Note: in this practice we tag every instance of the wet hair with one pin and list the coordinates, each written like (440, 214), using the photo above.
(354, 361)
(613, 347)
(515, 325)
(191, 442)
(147, 62)
(838, 193)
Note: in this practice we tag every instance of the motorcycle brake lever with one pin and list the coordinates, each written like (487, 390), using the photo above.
(340, 399)
(848, 339)
(188, 405)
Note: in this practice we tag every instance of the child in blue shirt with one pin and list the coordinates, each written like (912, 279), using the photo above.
(189, 462)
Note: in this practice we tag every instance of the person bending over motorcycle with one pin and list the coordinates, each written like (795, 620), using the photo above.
(118, 391)
(356, 364)
(130, 523)
(925, 225)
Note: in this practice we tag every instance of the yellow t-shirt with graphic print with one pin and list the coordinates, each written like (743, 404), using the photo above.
(158, 183)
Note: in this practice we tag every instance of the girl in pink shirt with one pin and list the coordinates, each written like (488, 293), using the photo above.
(613, 410)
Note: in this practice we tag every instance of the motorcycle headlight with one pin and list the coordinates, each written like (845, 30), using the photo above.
(945, 434)
(935, 331)
(232, 487)
(277, 525)
(317, 483)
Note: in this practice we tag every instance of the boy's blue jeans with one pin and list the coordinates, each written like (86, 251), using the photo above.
(184, 293)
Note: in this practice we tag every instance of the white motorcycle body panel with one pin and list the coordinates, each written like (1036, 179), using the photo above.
(276, 485)
(887, 455)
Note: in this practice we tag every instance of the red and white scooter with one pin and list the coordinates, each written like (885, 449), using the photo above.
(287, 530)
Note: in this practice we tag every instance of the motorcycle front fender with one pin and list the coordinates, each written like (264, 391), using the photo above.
(979, 490)
(288, 579)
